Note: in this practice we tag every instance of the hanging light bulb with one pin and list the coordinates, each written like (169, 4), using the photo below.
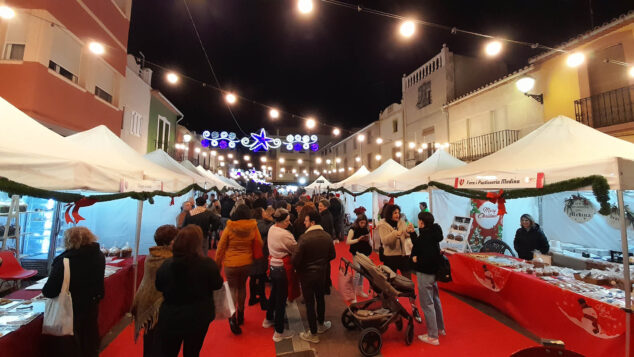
(274, 113)
(231, 98)
(379, 141)
(493, 48)
(412, 144)
(407, 28)
(172, 77)
(311, 123)
(336, 131)
(305, 6)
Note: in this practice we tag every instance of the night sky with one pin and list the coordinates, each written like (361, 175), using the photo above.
(338, 65)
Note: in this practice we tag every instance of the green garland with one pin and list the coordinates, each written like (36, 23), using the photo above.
(14, 188)
(599, 184)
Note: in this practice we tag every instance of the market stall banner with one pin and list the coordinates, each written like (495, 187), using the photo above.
(579, 209)
(501, 181)
(487, 223)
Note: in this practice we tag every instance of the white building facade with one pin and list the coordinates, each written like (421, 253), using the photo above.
(135, 99)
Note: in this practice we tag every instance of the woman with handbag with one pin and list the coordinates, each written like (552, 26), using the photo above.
(426, 259)
(187, 281)
(148, 300)
(239, 245)
(87, 265)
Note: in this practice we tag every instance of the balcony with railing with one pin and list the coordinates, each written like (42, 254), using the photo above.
(475, 148)
(606, 109)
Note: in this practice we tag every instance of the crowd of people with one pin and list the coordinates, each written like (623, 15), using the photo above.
(285, 241)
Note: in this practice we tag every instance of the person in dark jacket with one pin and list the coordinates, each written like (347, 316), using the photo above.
(529, 238)
(187, 282)
(426, 261)
(312, 261)
(203, 218)
(226, 205)
(257, 275)
(327, 222)
(87, 265)
(336, 209)
(260, 201)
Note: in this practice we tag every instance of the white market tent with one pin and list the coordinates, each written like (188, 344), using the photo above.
(231, 183)
(361, 172)
(108, 143)
(163, 159)
(218, 182)
(418, 175)
(562, 149)
(33, 155)
(382, 177)
(319, 185)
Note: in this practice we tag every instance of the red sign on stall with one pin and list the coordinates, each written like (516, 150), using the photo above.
(487, 223)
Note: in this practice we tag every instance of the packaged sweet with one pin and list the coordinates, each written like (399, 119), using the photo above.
(126, 251)
(114, 252)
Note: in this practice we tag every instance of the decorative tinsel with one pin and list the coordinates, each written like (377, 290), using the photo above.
(599, 185)
(14, 188)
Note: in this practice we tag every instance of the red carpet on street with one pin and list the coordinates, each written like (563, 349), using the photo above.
(470, 332)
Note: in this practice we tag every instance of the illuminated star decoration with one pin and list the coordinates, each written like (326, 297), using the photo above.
(260, 141)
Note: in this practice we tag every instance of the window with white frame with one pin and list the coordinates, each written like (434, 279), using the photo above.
(15, 40)
(163, 133)
(65, 54)
(14, 51)
(136, 122)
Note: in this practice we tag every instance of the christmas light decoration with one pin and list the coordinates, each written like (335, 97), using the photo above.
(259, 141)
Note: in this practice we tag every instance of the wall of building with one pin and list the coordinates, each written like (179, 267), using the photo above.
(135, 100)
(34, 83)
(159, 109)
(498, 108)
(562, 85)
(471, 73)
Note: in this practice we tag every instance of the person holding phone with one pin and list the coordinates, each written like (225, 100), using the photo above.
(359, 241)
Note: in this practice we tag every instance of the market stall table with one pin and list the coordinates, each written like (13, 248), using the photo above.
(27, 340)
(585, 325)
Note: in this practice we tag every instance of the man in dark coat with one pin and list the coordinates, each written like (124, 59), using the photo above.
(203, 218)
(312, 260)
(336, 209)
(226, 205)
(327, 222)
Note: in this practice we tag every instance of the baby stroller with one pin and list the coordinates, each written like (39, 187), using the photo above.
(374, 316)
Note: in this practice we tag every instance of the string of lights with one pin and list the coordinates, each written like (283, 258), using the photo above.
(452, 29)
(211, 67)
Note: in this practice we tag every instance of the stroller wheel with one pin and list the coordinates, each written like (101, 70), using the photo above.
(370, 342)
(399, 324)
(347, 319)
(409, 333)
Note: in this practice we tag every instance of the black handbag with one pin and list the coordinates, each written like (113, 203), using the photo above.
(444, 270)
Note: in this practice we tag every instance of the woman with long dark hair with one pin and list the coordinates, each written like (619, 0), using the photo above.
(394, 238)
(187, 281)
(359, 241)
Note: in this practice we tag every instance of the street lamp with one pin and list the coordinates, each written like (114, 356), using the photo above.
(379, 141)
(525, 84)
(6, 12)
(361, 138)
(398, 143)
(318, 160)
(575, 59)
(412, 144)
(305, 6)
(96, 48)
(378, 157)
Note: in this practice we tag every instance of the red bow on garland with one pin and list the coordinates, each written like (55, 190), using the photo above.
(391, 201)
(497, 198)
(84, 202)
(172, 202)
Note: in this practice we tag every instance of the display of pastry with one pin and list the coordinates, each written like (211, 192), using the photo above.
(126, 251)
(114, 252)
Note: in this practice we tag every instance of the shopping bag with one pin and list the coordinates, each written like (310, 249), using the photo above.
(223, 302)
(58, 312)
(346, 283)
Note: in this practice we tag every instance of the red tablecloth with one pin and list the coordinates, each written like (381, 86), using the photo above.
(587, 326)
(27, 340)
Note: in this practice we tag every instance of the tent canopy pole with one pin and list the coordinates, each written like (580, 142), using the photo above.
(139, 217)
(626, 274)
